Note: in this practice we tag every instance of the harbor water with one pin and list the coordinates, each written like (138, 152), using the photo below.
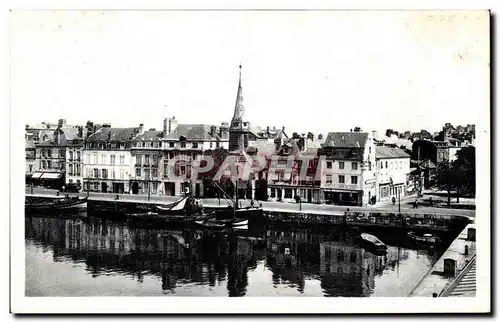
(90, 256)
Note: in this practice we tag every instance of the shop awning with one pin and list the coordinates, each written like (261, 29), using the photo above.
(36, 175)
(51, 176)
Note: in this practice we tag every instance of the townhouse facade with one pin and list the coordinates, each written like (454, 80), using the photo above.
(57, 161)
(107, 159)
(348, 174)
(146, 155)
(181, 148)
(393, 171)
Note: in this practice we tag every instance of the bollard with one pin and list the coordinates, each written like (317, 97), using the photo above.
(466, 251)
(450, 267)
(471, 234)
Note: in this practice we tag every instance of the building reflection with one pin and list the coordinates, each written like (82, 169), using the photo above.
(179, 257)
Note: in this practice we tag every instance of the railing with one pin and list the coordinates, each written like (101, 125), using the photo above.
(447, 290)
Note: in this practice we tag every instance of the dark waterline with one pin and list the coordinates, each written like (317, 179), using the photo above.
(99, 257)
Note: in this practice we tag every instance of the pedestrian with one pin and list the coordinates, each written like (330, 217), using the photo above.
(251, 203)
(430, 200)
(393, 200)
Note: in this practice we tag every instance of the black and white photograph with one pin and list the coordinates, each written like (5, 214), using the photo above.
(263, 161)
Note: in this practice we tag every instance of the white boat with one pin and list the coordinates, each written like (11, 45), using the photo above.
(424, 238)
(373, 242)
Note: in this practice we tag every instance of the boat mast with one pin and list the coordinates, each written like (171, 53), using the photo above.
(235, 197)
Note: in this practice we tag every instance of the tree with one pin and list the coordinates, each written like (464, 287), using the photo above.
(465, 170)
(445, 178)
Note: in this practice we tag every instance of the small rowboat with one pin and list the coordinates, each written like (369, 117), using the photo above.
(426, 238)
(373, 242)
(225, 223)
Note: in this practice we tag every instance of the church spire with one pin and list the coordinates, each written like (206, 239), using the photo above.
(239, 109)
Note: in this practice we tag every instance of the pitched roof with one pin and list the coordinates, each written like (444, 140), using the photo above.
(191, 132)
(389, 152)
(150, 135)
(346, 139)
(113, 134)
(71, 132)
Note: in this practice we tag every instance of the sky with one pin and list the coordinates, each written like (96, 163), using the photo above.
(316, 71)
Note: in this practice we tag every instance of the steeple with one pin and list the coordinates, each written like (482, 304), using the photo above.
(238, 108)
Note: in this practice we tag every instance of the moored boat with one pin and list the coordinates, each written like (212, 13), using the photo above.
(64, 204)
(373, 242)
(425, 238)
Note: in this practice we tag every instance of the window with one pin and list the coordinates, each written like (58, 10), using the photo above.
(122, 160)
(70, 170)
(381, 165)
(104, 173)
(61, 153)
(354, 165)
(49, 153)
(369, 165)
(138, 159)
(354, 179)
(103, 159)
(146, 159)
(341, 165)
(341, 179)
(78, 156)
(147, 173)
(78, 170)
(44, 165)
(155, 160)
(195, 144)
(328, 179)
(70, 155)
(171, 144)
(155, 187)
(183, 170)
(288, 193)
(340, 255)
(400, 165)
(96, 186)
(273, 192)
(154, 172)
(49, 164)
(112, 159)
(353, 257)
(370, 150)
(122, 174)
(329, 164)
(96, 173)
(183, 144)
(211, 143)
(386, 164)
(138, 172)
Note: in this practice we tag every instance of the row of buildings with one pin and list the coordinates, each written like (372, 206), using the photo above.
(348, 168)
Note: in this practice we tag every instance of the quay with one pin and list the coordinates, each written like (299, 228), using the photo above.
(454, 274)
(305, 213)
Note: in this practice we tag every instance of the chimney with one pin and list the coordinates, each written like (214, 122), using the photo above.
(267, 130)
(106, 125)
(152, 129)
(224, 130)
(310, 136)
(61, 123)
(213, 131)
(320, 136)
(283, 129)
(141, 128)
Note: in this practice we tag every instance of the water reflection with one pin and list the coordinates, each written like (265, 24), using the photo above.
(199, 258)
